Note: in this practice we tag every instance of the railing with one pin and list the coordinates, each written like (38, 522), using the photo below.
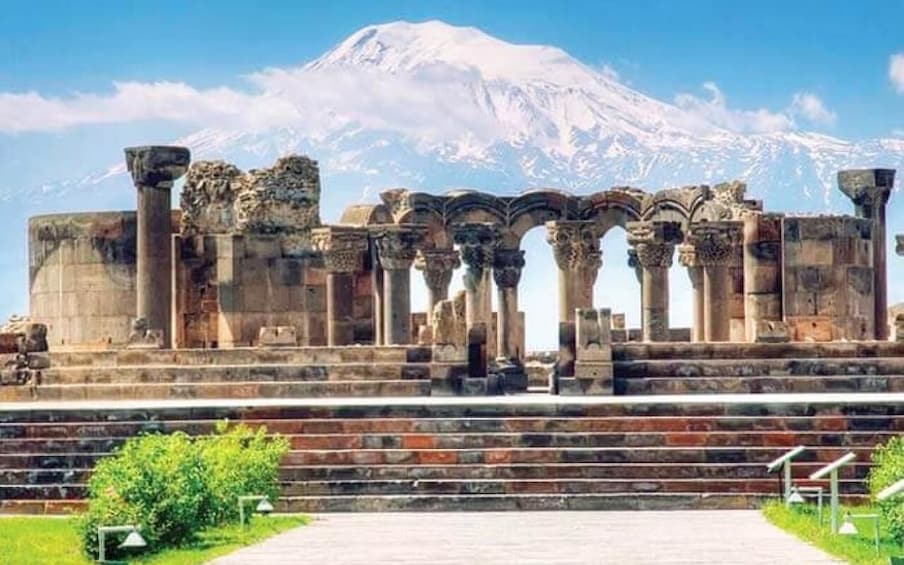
(832, 470)
(785, 463)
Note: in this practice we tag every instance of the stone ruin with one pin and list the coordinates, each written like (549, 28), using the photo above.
(245, 261)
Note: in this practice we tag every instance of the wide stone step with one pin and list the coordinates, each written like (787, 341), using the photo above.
(853, 367)
(243, 356)
(795, 350)
(24, 427)
(613, 471)
(758, 385)
(182, 374)
(513, 502)
(506, 456)
(494, 440)
(233, 390)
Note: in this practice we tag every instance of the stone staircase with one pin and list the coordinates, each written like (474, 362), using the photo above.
(230, 373)
(475, 454)
(676, 368)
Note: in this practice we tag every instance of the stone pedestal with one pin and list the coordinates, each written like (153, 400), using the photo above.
(342, 248)
(687, 257)
(154, 169)
(396, 249)
(869, 190)
(593, 365)
(715, 244)
(654, 245)
(762, 271)
(507, 266)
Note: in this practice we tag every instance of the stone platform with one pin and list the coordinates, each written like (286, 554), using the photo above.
(520, 452)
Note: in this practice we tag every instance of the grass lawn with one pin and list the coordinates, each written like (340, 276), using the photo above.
(802, 521)
(44, 541)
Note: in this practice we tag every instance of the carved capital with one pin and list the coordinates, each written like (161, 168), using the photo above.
(654, 242)
(397, 244)
(687, 256)
(477, 242)
(507, 266)
(437, 265)
(868, 189)
(342, 247)
(716, 242)
(157, 166)
(575, 244)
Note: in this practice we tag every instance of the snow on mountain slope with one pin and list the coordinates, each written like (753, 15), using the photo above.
(430, 106)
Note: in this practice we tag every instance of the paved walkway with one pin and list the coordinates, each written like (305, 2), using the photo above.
(723, 537)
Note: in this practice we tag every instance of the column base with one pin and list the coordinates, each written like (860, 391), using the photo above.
(510, 375)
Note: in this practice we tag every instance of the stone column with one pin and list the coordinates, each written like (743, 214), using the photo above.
(655, 247)
(869, 190)
(687, 257)
(343, 250)
(716, 244)
(507, 266)
(762, 270)
(379, 302)
(396, 248)
(576, 248)
(154, 169)
(437, 266)
(477, 243)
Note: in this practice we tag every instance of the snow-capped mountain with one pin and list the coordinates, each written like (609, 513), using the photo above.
(433, 106)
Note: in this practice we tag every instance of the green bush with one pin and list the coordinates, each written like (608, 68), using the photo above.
(240, 461)
(888, 468)
(174, 485)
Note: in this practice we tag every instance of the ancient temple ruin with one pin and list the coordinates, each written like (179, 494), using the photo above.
(246, 296)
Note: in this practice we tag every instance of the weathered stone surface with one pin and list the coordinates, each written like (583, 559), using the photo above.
(283, 198)
(143, 336)
(157, 165)
(277, 336)
(899, 328)
(342, 247)
(208, 198)
(771, 331)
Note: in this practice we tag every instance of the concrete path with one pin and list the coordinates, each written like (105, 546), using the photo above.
(723, 537)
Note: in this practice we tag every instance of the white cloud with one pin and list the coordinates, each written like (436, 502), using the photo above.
(896, 71)
(812, 108)
(715, 111)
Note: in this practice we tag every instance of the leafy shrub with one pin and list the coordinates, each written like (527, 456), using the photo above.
(240, 461)
(153, 480)
(174, 485)
(888, 468)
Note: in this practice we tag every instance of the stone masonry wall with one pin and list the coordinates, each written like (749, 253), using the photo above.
(828, 278)
(82, 276)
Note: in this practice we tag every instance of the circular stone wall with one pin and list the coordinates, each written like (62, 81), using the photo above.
(82, 276)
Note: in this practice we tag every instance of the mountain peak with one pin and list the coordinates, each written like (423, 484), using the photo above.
(423, 46)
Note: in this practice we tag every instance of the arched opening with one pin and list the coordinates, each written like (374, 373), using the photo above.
(616, 284)
(538, 293)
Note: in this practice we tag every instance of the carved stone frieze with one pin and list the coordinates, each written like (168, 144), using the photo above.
(654, 242)
(157, 166)
(575, 244)
(437, 266)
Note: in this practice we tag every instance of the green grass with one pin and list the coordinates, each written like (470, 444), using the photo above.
(54, 541)
(859, 549)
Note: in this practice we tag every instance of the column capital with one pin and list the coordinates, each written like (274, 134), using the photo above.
(575, 244)
(715, 243)
(654, 242)
(342, 247)
(157, 166)
(899, 248)
(437, 266)
(507, 265)
(868, 189)
(477, 242)
(397, 244)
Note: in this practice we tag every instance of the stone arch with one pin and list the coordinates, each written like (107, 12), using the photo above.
(534, 208)
(615, 207)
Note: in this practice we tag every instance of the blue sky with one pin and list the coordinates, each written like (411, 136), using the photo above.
(759, 53)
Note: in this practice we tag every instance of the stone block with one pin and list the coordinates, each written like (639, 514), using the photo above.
(593, 340)
(277, 336)
(576, 386)
(771, 331)
(618, 321)
(811, 328)
(449, 353)
(143, 337)
(288, 272)
(899, 327)
(821, 252)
